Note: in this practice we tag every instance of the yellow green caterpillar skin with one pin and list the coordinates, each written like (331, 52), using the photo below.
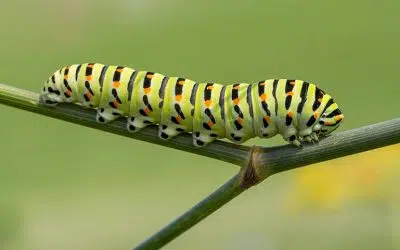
(297, 110)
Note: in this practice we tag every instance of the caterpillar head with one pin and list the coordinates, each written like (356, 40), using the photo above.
(330, 120)
(51, 92)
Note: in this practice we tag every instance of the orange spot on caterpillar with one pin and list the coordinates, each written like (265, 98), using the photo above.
(115, 102)
(292, 82)
(338, 118)
(210, 123)
(149, 76)
(236, 101)
(236, 87)
(181, 82)
(119, 70)
(116, 84)
(90, 65)
(263, 97)
(88, 95)
(147, 90)
(290, 114)
(262, 83)
(207, 103)
(267, 118)
(66, 77)
(146, 110)
(178, 118)
(316, 115)
(327, 123)
(210, 87)
(319, 99)
(290, 93)
(178, 98)
(88, 78)
(68, 92)
(240, 120)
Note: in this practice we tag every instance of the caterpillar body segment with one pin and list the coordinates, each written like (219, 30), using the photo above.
(208, 124)
(144, 99)
(263, 106)
(238, 120)
(296, 109)
(113, 101)
(177, 110)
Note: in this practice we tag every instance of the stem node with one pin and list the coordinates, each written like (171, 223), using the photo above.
(250, 173)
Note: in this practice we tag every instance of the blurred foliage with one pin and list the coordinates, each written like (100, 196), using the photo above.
(69, 187)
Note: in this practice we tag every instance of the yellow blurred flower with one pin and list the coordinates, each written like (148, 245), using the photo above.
(366, 176)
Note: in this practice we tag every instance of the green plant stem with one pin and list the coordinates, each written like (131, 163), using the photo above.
(265, 162)
(279, 159)
(27, 100)
(213, 202)
(257, 163)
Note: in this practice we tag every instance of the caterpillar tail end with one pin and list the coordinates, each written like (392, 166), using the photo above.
(48, 100)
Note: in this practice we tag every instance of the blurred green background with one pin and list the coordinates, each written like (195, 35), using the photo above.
(68, 187)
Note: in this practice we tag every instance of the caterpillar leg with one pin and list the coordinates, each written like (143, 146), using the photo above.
(293, 139)
(166, 132)
(308, 135)
(50, 99)
(314, 136)
(307, 138)
(202, 139)
(135, 124)
(49, 102)
(107, 115)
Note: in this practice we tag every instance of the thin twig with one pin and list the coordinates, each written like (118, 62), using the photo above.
(257, 164)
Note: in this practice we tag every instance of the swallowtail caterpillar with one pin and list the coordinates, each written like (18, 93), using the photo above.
(295, 109)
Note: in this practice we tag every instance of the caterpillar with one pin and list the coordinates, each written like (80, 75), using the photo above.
(297, 110)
